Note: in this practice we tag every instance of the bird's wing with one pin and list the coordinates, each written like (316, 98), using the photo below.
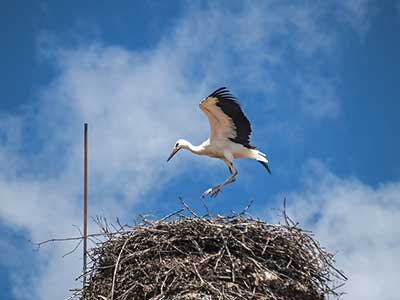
(226, 118)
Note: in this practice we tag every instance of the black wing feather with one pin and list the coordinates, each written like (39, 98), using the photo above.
(229, 105)
(265, 166)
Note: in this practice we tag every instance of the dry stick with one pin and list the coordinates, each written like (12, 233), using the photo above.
(73, 250)
(77, 245)
(116, 268)
(243, 212)
(77, 238)
(165, 280)
(189, 209)
(198, 274)
(208, 214)
(230, 258)
(85, 203)
(170, 215)
(38, 245)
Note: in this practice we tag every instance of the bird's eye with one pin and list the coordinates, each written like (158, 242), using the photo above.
(176, 145)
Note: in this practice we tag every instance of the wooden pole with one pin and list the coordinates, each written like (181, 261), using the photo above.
(85, 189)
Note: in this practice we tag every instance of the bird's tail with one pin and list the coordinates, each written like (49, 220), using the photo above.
(262, 159)
(265, 166)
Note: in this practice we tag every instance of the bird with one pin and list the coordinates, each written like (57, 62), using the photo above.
(229, 139)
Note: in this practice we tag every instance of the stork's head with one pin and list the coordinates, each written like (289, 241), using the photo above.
(178, 146)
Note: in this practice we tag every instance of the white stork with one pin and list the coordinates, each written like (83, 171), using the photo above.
(229, 136)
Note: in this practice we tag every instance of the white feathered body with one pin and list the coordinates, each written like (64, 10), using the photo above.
(226, 149)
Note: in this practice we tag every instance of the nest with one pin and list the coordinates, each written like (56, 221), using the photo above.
(187, 257)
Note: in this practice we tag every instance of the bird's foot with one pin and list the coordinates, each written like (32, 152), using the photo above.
(213, 191)
(205, 194)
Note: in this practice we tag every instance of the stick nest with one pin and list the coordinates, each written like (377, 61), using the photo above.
(206, 258)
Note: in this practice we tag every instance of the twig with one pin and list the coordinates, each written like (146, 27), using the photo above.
(189, 209)
(170, 215)
(73, 250)
(116, 268)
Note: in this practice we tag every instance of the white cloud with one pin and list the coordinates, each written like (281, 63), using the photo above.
(359, 221)
(355, 13)
(137, 105)
(319, 98)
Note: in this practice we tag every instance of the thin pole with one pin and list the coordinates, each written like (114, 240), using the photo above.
(85, 189)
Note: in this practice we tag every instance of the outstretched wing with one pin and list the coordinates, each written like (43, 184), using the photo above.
(226, 118)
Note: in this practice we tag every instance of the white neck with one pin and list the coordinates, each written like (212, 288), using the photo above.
(192, 148)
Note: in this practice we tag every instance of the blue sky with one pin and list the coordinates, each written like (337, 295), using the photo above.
(318, 80)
